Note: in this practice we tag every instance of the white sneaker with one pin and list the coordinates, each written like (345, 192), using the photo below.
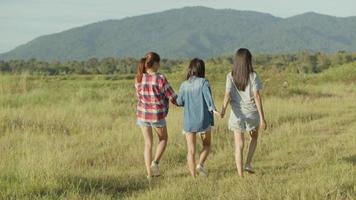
(155, 169)
(201, 170)
(249, 169)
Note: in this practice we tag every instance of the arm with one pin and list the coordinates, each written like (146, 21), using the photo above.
(225, 103)
(208, 98)
(227, 96)
(258, 100)
(169, 92)
(180, 99)
(257, 86)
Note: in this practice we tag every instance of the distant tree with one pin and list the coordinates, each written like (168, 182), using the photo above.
(323, 61)
(5, 67)
(107, 66)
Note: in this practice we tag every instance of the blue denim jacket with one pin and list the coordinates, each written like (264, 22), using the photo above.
(195, 96)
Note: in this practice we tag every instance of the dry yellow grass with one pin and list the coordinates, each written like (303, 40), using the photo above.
(76, 138)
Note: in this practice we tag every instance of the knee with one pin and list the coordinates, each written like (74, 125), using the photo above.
(191, 151)
(148, 145)
(239, 146)
(254, 135)
(163, 138)
(206, 144)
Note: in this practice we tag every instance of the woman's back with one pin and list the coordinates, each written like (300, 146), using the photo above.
(195, 96)
(242, 102)
(153, 94)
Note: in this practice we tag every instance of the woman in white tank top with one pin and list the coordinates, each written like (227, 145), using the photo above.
(242, 92)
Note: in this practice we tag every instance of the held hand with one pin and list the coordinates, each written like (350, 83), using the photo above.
(222, 112)
(263, 124)
(217, 113)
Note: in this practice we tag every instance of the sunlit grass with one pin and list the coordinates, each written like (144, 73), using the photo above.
(75, 137)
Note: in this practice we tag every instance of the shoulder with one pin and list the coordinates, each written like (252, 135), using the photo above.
(160, 76)
(196, 81)
(183, 84)
(253, 75)
(229, 76)
(204, 81)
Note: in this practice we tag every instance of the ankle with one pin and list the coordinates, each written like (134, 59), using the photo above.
(248, 165)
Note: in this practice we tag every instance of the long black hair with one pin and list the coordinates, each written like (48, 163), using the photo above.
(242, 68)
(196, 68)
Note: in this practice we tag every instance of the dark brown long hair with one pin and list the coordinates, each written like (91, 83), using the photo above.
(242, 68)
(196, 68)
(145, 63)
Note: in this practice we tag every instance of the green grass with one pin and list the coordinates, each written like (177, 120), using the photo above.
(74, 137)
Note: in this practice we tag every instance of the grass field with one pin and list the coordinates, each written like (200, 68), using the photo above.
(74, 137)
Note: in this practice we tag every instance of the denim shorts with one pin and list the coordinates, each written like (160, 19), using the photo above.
(202, 132)
(159, 124)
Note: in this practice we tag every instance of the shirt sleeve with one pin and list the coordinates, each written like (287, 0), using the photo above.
(256, 83)
(228, 85)
(180, 99)
(208, 97)
(169, 92)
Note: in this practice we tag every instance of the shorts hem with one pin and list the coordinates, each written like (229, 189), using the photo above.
(159, 124)
(243, 130)
(197, 132)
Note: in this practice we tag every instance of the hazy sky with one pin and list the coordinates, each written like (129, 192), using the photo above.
(23, 20)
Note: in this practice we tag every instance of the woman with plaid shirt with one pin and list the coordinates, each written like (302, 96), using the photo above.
(153, 94)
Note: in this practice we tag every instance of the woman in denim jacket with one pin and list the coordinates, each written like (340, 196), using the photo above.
(195, 96)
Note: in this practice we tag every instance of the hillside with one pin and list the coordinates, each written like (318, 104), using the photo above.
(194, 31)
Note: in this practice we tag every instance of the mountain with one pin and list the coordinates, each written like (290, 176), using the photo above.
(194, 32)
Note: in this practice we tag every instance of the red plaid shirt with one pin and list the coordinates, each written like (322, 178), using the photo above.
(153, 94)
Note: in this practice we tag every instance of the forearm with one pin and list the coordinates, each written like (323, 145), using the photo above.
(226, 101)
(171, 95)
(173, 100)
(259, 106)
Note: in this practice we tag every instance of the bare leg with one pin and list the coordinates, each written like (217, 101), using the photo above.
(206, 138)
(163, 139)
(147, 134)
(252, 146)
(191, 141)
(239, 146)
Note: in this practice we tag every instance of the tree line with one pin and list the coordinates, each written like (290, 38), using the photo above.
(108, 65)
(303, 62)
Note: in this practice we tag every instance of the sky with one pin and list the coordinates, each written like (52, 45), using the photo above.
(23, 20)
